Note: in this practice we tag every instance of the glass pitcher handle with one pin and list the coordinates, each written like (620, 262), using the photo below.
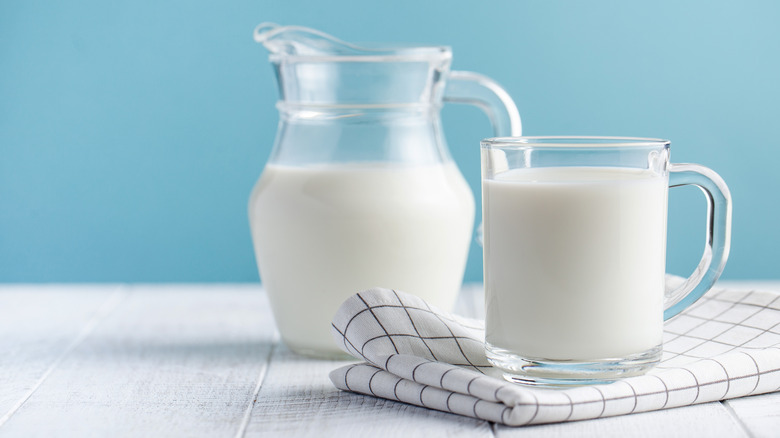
(716, 249)
(481, 91)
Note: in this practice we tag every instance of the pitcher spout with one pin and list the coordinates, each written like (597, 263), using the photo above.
(313, 67)
(303, 41)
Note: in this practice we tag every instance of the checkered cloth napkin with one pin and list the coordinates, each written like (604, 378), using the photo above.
(726, 345)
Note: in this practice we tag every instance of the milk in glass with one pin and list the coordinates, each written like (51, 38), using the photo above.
(574, 261)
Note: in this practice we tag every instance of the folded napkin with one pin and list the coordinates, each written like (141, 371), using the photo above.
(726, 345)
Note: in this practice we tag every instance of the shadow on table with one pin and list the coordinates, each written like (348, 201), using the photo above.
(162, 351)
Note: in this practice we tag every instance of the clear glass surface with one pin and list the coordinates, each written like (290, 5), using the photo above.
(360, 189)
(574, 254)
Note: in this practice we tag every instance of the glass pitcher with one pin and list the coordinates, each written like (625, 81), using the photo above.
(360, 189)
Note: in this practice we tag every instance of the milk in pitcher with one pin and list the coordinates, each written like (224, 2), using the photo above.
(325, 232)
(360, 190)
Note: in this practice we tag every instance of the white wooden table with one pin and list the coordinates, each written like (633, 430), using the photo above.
(205, 360)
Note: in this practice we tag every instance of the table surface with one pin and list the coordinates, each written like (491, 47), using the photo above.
(206, 360)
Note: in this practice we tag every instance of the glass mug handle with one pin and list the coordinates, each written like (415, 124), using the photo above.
(481, 91)
(716, 249)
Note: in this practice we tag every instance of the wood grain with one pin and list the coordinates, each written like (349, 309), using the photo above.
(170, 361)
(39, 326)
(297, 399)
(205, 360)
(760, 414)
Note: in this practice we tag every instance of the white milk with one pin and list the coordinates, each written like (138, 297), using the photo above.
(324, 233)
(574, 262)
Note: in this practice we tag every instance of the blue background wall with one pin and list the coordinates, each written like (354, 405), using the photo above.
(131, 132)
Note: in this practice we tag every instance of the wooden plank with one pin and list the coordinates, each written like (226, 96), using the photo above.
(708, 420)
(172, 361)
(297, 399)
(760, 414)
(39, 326)
(191, 360)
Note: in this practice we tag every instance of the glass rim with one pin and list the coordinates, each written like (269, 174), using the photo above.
(572, 141)
(390, 53)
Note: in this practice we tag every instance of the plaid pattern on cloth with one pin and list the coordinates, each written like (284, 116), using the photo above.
(726, 345)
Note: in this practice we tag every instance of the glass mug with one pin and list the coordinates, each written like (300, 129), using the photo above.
(575, 252)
